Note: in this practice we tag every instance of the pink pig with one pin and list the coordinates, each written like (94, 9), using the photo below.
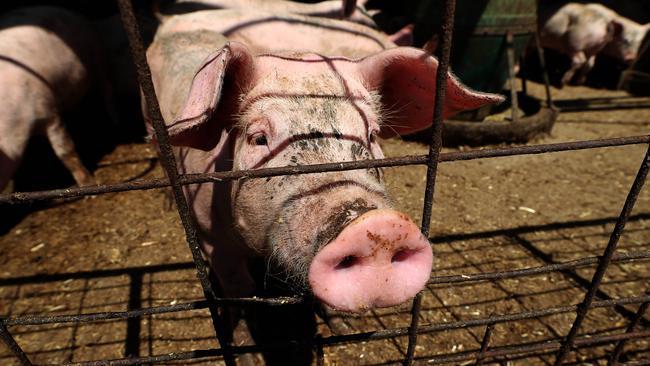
(250, 89)
(336, 9)
(583, 30)
(46, 61)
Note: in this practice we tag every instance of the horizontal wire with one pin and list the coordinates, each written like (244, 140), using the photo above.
(73, 192)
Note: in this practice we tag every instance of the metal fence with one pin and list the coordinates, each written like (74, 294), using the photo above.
(560, 346)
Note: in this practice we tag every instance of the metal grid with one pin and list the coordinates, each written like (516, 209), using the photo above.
(561, 347)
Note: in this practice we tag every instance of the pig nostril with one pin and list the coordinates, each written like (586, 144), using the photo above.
(402, 255)
(347, 262)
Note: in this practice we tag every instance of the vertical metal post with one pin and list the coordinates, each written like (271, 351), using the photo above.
(510, 52)
(606, 258)
(130, 24)
(434, 153)
(134, 324)
(320, 361)
(485, 344)
(542, 64)
(13, 346)
(618, 350)
(522, 72)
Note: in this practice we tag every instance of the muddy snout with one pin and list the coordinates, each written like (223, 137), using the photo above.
(380, 259)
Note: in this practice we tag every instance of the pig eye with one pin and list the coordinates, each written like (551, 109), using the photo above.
(259, 140)
(372, 137)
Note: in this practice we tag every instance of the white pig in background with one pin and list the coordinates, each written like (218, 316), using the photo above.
(581, 31)
(245, 89)
(47, 64)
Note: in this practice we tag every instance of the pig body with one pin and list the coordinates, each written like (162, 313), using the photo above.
(334, 9)
(45, 67)
(581, 31)
(247, 90)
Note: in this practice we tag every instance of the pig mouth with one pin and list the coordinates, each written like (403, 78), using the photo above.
(292, 253)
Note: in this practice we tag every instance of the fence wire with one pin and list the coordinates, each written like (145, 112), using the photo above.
(561, 347)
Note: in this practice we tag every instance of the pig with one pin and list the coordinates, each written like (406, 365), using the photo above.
(335, 9)
(250, 89)
(625, 46)
(581, 31)
(347, 9)
(46, 66)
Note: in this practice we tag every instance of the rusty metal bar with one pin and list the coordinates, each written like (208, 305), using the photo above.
(173, 356)
(435, 144)
(510, 52)
(130, 24)
(484, 344)
(13, 346)
(333, 340)
(601, 104)
(495, 352)
(532, 349)
(542, 64)
(616, 258)
(618, 350)
(522, 73)
(93, 317)
(195, 305)
(320, 357)
(28, 197)
(528, 314)
(280, 301)
(583, 308)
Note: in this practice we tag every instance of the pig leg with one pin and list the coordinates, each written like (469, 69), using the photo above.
(64, 148)
(7, 169)
(584, 70)
(15, 131)
(578, 61)
(235, 280)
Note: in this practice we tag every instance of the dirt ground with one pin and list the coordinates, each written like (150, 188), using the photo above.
(121, 251)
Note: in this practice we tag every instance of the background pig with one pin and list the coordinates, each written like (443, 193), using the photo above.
(581, 31)
(248, 90)
(625, 45)
(578, 30)
(47, 60)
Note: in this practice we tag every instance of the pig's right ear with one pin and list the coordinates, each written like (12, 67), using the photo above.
(213, 97)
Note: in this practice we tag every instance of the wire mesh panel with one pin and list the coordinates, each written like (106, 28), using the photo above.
(494, 296)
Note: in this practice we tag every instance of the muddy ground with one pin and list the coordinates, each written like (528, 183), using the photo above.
(120, 251)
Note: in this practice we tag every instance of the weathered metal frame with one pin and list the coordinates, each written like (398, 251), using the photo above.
(213, 303)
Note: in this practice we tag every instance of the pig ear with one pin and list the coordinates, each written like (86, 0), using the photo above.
(406, 80)
(213, 96)
(616, 29)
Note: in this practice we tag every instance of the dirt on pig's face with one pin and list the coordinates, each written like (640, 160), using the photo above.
(325, 118)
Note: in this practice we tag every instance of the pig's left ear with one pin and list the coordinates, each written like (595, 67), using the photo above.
(406, 80)
(213, 97)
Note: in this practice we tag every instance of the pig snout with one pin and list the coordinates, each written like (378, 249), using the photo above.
(380, 259)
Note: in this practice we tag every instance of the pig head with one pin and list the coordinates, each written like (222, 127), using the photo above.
(627, 39)
(333, 234)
